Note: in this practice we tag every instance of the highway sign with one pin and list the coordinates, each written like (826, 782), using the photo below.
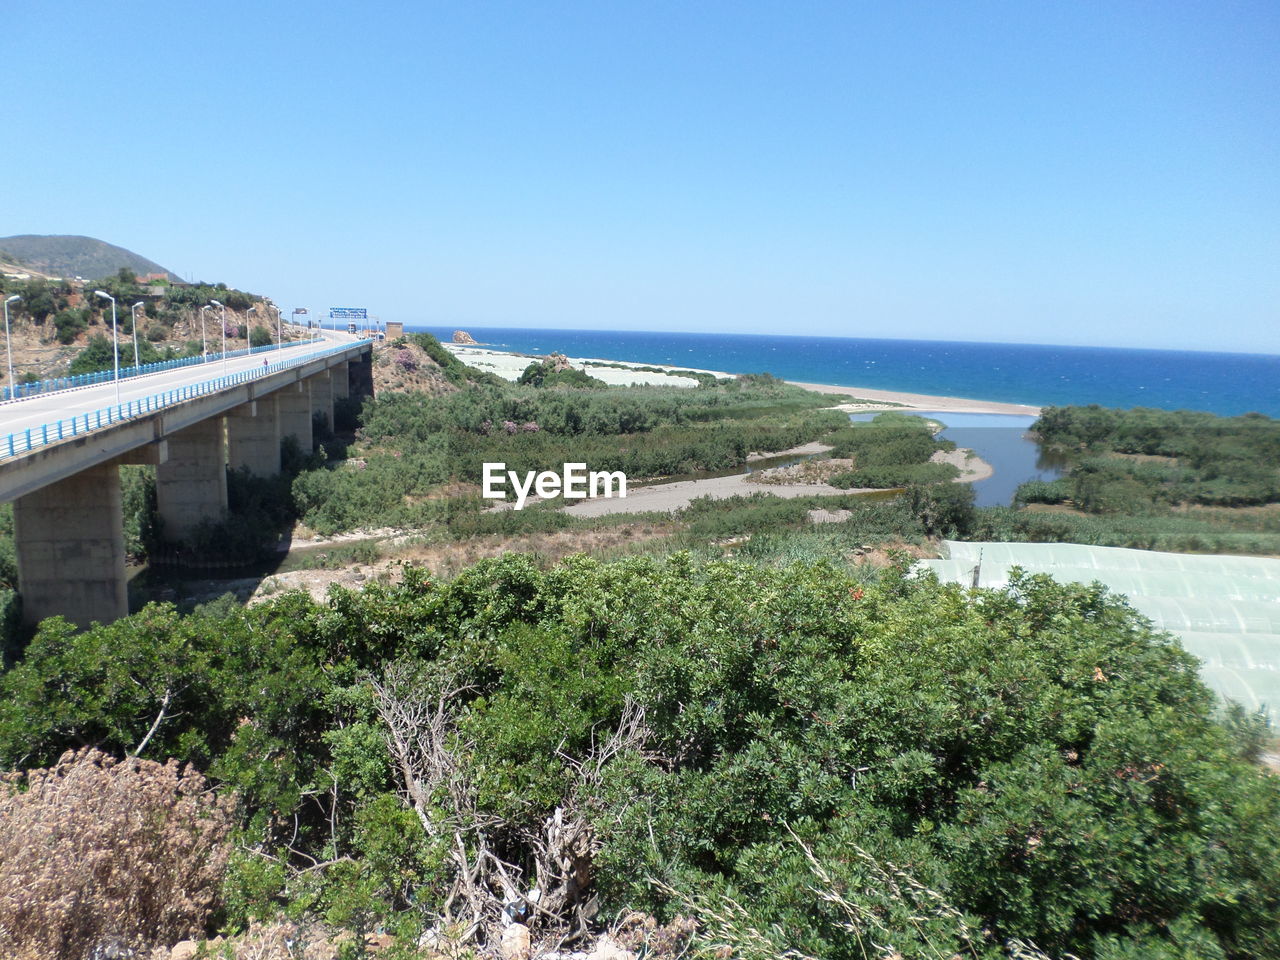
(348, 313)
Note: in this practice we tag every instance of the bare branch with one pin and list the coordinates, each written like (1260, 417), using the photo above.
(164, 707)
(488, 891)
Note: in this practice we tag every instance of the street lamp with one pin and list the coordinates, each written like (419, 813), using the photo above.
(7, 344)
(204, 347)
(115, 340)
(223, 313)
(133, 312)
(279, 328)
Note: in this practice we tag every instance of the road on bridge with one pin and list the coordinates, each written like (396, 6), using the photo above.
(31, 412)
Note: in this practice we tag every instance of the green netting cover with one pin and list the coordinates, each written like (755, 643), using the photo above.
(1225, 610)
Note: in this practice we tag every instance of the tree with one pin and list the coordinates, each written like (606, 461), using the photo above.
(260, 336)
(98, 355)
(70, 323)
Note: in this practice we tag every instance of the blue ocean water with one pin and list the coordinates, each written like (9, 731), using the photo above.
(1223, 383)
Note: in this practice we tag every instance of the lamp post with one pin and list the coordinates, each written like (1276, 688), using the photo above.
(8, 345)
(204, 347)
(133, 312)
(223, 313)
(279, 327)
(115, 340)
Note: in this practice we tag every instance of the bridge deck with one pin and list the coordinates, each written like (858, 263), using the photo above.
(47, 437)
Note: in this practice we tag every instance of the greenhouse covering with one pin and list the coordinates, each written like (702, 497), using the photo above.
(1224, 609)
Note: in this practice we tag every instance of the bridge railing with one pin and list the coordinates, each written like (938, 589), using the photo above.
(24, 441)
(104, 376)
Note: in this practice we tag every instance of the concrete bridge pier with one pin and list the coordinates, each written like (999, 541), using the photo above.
(253, 437)
(341, 378)
(322, 395)
(293, 410)
(69, 538)
(191, 486)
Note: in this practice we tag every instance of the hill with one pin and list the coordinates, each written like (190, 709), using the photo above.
(71, 256)
(11, 265)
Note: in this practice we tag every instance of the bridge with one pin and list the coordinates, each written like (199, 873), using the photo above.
(60, 453)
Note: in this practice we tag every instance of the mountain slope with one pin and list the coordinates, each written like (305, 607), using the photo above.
(71, 256)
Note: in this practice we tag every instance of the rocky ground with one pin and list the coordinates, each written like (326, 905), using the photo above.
(406, 368)
(635, 935)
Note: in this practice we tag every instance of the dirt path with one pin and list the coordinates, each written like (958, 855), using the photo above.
(667, 497)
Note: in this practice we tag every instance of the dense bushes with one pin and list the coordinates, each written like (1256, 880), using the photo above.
(483, 410)
(543, 373)
(70, 323)
(1207, 532)
(1036, 757)
(889, 438)
(895, 475)
(380, 489)
(413, 445)
(891, 450)
(1137, 460)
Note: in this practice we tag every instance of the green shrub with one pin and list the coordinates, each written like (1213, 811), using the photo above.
(543, 374)
(70, 323)
(1226, 461)
(898, 475)
(1042, 491)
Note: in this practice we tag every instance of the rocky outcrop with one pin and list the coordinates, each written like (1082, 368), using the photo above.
(461, 336)
(407, 368)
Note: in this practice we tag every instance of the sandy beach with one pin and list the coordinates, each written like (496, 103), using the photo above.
(616, 373)
(509, 366)
(917, 401)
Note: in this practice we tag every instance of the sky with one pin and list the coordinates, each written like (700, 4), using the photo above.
(1068, 172)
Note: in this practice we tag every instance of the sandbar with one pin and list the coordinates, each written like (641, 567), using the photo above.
(899, 399)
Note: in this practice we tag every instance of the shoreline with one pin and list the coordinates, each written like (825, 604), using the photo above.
(509, 365)
(903, 400)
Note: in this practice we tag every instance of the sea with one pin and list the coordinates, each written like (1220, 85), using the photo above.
(1041, 375)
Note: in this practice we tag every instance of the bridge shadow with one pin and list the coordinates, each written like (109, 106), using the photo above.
(252, 543)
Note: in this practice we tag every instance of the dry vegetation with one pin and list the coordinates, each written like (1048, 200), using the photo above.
(403, 365)
(100, 854)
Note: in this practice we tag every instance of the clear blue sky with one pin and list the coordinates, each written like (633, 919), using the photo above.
(1070, 172)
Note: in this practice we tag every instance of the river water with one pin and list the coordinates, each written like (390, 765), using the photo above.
(1001, 440)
